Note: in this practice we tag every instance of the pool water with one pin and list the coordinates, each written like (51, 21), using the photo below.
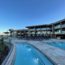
(58, 44)
(28, 55)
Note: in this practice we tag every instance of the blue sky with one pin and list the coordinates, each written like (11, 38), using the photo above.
(18, 14)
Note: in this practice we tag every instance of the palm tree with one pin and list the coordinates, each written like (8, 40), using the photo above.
(11, 32)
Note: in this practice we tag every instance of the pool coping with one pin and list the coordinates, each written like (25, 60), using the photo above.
(56, 61)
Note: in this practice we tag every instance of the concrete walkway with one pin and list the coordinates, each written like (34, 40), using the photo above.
(56, 55)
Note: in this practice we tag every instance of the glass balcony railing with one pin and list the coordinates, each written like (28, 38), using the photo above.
(57, 32)
(46, 29)
(56, 27)
(63, 32)
(49, 28)
(59, 26)
(63, 25)
(40, 29)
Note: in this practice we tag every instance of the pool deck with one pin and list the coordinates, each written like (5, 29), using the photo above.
(56, 55)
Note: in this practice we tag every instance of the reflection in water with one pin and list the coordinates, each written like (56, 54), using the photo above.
(36, 60)
(29, 49)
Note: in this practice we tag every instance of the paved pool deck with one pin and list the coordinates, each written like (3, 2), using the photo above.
(56, 55)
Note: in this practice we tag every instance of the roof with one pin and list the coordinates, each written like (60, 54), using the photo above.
(39, 26)
(46, 25)
(57, 22)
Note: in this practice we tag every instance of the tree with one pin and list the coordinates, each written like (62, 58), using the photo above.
(11, 32)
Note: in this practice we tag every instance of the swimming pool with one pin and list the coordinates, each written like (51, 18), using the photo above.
(28, 55)
(57, 44)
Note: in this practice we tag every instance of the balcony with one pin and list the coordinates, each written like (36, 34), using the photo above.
(63, 32)
(63, 26)
(46, 29)
(57, 27)
(58, 32)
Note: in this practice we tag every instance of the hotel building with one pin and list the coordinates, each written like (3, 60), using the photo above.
(53, 30)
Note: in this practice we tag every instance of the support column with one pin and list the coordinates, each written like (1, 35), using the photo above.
(61, 26)
(53, 34)
(35, 32)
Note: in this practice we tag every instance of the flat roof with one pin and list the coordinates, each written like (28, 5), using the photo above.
(39, 26)
(46, 25)
(57, 22)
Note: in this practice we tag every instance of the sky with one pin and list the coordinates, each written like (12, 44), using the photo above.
(17, 14)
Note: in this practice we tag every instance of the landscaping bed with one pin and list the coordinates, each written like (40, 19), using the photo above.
(3, 50)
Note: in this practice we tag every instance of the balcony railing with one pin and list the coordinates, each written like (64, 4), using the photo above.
(63, 26)
(58, 26)
(57, 33)
(46, 29)
(63, 32)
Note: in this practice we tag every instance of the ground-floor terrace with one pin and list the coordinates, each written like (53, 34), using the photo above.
(39, 35)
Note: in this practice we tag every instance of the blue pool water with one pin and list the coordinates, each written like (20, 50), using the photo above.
(28, 55)
(58, 44)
